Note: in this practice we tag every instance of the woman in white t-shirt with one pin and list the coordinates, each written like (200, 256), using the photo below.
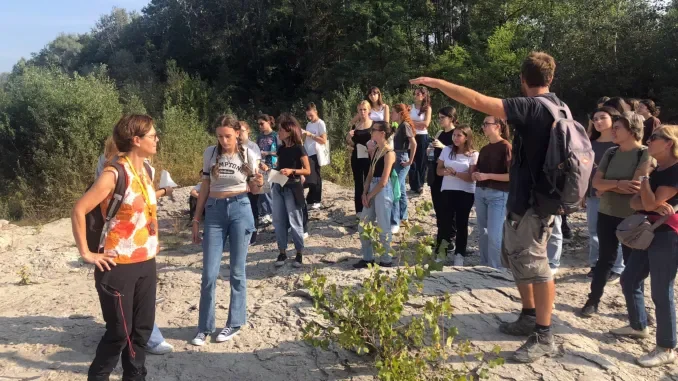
(420, 113)
(456, 164)
(315, 134)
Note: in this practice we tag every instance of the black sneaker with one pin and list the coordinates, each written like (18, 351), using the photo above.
(589, 310)
(535, 347)
(298, 260)
(590, 274)
(227, 334)
(385, 264)
(281, 260)
(362, 264)
(253, 239)
(524, 326)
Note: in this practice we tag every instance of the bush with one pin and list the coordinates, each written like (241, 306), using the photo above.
(51, 133)
(370, 318)
(183, 139)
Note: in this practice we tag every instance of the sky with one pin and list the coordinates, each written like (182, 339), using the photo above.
(26, 26)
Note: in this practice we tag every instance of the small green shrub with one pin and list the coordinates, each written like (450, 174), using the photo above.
(369, 318)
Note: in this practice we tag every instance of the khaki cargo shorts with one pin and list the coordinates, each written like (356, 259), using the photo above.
(523, 248)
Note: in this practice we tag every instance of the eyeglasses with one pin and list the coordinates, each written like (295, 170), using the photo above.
(487, 124)
(656, 136)
(152, 136)
(442, 116)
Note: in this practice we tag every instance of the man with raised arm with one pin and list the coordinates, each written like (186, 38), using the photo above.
(526, 229)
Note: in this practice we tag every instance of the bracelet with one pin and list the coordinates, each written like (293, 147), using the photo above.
(196, 221)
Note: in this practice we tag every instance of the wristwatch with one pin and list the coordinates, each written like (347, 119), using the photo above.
(643, 178)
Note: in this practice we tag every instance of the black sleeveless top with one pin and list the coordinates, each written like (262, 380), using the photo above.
(361, 137)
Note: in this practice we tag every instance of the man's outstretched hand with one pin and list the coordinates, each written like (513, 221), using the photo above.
(425, 81)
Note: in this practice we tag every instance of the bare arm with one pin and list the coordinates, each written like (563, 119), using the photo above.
(470, 98)
(104, 185)
(636, 202)
(306, 170)
(413, 150)
(651, 200)
(202, 199)
(322, 139)
(387, 114)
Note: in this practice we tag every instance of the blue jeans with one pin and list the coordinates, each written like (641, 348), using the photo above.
(400, 208)
(265, 207)
(554, 247)
(660, 262)
(225, 219)
(490, 214)
(592, 206)
(287, 214)
(379, 211)
(156, 337)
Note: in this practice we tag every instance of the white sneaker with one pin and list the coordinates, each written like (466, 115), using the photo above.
(629, 331)
(554, 271)
(305, 235)
(227, 334)
(458, 260)
(268, 218)
(200, 339)
(657, 357)
(316, 206)
(161, 349)
(395, 229)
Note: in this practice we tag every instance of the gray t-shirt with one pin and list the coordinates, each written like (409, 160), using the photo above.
(227, 173)
(621, 166)
(599, 149)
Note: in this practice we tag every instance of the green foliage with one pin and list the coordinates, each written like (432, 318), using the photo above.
(371, 319)
(51, 132)
(183, 139)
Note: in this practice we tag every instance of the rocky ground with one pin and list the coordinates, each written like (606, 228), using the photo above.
(49, 328)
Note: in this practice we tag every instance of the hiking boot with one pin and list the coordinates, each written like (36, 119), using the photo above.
(589, 310)
(281, 260)
(298, 260)
(362, 264)
(227, 334)
(658, 357)
(524, 326)
(535, 347)
(629, 331)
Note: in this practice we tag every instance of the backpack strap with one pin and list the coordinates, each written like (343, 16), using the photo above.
(557, 111)
(118, 192)
(149, 170)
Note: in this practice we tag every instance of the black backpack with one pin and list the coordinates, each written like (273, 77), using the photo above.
(96, 222)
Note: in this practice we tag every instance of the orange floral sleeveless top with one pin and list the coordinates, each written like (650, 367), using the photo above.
(133, 233)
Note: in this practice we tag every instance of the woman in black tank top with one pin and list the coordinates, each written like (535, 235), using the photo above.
(358, 138)
(447, 117)
(377, 197)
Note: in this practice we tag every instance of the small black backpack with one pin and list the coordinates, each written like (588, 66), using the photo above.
(96, 223)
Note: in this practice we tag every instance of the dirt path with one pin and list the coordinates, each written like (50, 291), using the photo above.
(49, 329)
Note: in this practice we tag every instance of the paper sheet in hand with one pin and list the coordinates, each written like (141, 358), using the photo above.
(362, 151)
(166, 180)
(277, 178)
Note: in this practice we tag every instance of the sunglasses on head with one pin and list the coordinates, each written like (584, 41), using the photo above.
(656, 136)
